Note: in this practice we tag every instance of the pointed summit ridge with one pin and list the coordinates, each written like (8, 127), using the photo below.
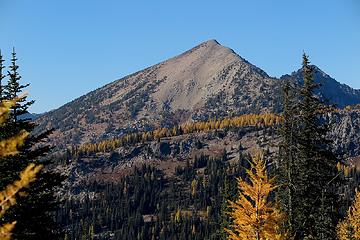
(211, 42)
(207, 81)
(330, 90)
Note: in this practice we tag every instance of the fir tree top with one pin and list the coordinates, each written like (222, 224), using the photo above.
(2, 76)
(15, 88)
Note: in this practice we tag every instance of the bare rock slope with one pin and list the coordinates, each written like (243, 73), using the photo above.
(208, 80)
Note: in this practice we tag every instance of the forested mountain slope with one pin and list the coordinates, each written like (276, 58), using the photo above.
(174, 144)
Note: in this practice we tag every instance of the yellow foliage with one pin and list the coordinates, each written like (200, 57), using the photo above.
(6, 105)
(255, 120)
(339, 166)
(194, 184)
(193, 229)
(177, 216)
(348, 170)
(5, 230)
(349, 228)
(344, 230)
(7, 196)
(5, 110)
(254, 216)
(9, 147)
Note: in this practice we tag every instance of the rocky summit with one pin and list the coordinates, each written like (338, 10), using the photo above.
(207, 81)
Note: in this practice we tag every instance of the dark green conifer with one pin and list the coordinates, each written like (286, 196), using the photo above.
(287, 170)
(14, 88)
(35, 213)
(307, 165)
(2, 76)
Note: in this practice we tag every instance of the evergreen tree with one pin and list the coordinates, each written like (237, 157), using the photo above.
(2, 76)
(349, 228)
(228, 193)
(288, 168)
(14, 89)
(308, 167)
(9, 147)
(317, 185)
(34, 214)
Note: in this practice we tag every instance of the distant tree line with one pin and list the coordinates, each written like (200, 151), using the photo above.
(254, 120)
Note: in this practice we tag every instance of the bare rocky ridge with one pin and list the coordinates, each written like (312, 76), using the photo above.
(339, 94)
(345, 132)
(207, 81)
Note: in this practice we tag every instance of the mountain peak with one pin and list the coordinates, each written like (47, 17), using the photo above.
(318, 71)
(210, 42)
(210, 45)
(340, 94)
(206, 81)
(210, 80)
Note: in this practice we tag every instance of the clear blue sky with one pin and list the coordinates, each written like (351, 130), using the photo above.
(70, 47)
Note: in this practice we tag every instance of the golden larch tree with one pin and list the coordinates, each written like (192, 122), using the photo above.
(349, 228)
(254, 217)
(9, 147)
